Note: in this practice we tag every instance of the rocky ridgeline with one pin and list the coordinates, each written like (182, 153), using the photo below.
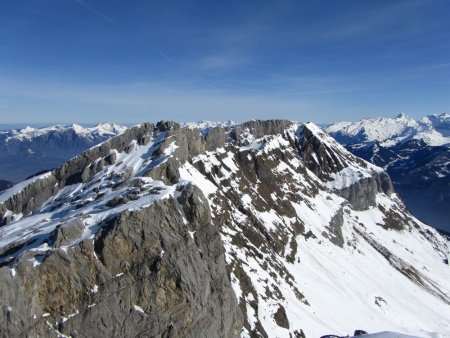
(83, 167)
(173, 231)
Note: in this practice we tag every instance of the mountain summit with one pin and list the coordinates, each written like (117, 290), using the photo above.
(261, 229)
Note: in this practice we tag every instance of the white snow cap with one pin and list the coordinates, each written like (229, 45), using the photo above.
(432, 129)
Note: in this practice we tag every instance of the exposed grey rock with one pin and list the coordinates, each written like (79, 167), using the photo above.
(260, 128)
(281, 318)
(123, 199)
(72, 171)
(29, 198)
(166, 172)
(93, 169)
(195, 205)
(216, 138)
(67, 233)
(334, 229)
(385, 183)
(122, 141)
(152, 279)
(167, 125)
(144, 140)
(362, 194)
(328, 159)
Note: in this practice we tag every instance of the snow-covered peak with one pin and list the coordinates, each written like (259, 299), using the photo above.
(440, 123)
(440, 118)
(433, 130)
(106, 128)
(79, 129)
(29, 133)
(27, 129)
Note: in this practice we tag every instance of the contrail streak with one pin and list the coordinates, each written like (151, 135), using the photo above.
(95, 12)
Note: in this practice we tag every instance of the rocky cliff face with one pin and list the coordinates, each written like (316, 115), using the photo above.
(323, 157)
(257, 230)
(142, 273)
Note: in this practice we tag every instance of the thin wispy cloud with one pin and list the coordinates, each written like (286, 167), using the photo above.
(222, 62)
(94, 11)
(441, 65)
(362, 23)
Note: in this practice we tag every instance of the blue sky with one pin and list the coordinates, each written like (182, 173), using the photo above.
(86, 61)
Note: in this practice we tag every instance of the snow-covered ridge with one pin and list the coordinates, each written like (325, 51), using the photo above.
(434, 130)
(28, 133)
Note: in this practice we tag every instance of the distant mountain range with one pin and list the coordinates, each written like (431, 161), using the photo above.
(416, 155)
(24, 152)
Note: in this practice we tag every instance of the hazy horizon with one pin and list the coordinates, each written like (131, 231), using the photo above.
(20, 125)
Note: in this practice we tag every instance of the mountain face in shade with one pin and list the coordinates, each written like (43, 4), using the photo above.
(416, 155)
(262, 229)
(24, 152)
